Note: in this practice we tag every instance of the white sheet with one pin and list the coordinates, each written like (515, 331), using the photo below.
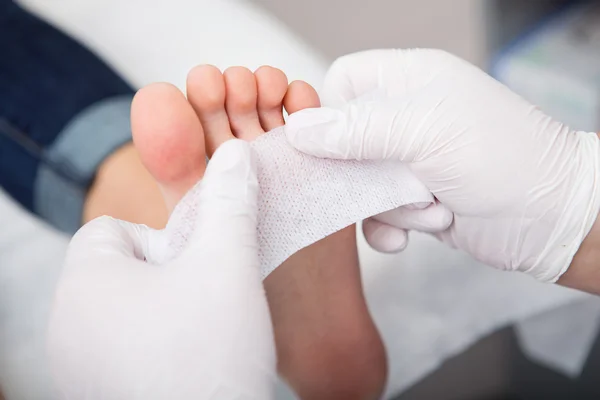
(31, 254)
(430, 302)
(152, 40)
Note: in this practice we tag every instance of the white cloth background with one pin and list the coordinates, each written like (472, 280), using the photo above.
(429, 302)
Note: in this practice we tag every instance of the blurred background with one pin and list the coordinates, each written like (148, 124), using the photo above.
(445, 341)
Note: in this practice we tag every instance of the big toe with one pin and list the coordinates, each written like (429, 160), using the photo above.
(169, 139)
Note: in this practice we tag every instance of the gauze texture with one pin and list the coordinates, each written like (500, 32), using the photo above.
(303, 199)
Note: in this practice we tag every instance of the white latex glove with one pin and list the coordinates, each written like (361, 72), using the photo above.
(196, 328)
(523, 188)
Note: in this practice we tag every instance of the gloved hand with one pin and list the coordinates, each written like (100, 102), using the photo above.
(522, 187)
(196, 328)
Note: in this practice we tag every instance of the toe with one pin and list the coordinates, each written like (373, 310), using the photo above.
(272, 85)
(300, 95)
(241, 102)
(206, 93)
(168, 137)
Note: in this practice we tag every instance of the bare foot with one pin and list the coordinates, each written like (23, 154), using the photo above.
(327, 344)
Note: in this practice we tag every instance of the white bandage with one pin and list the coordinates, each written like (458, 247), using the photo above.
(304, 199)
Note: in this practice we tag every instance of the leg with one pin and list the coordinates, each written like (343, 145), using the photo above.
(62, 113)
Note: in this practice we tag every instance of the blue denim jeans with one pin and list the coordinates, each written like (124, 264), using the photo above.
(62, 112)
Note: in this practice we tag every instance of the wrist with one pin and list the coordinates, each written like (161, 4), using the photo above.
(584, 271)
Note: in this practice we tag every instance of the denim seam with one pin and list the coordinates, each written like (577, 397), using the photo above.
(17, 136)
(70, 163)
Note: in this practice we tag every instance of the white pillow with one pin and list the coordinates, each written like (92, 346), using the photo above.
(155, 40)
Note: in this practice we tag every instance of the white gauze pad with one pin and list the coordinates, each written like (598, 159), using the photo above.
(303, 199)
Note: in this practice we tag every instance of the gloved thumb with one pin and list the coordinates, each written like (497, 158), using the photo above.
(360, 130)
(227, 206)
(106, 237)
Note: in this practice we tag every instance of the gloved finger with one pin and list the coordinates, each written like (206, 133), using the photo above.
(384, 238)
(108, 237)
(433, 219)
(448, 237)
(225, 243)
(359, 131)
(227, 209)
(392, 72)
(353, 75)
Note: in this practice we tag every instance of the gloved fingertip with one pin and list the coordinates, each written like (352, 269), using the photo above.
(233, 157)
(384, 238)
(318, 132)
(225, 203)
(418, 206)
(230, 176)
(434, 218)
(442, 215)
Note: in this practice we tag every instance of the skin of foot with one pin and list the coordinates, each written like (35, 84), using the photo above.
(124, 189)
(328, 346)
